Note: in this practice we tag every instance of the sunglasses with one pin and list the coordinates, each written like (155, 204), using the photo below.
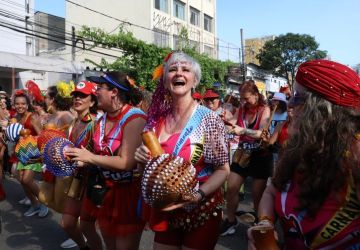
(80, 95)
(210, 99)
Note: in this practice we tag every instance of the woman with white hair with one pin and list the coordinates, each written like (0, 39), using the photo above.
(196, 134)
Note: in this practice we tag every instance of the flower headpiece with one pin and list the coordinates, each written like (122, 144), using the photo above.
(34, 91)
(20, 92)
(64, 89)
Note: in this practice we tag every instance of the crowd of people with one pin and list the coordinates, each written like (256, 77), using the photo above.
(300, 148)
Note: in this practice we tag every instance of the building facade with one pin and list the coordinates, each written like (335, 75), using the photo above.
(252, 48)
(160, 22)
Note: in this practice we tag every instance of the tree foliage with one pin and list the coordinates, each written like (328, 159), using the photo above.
(283, 55)
(139, 59)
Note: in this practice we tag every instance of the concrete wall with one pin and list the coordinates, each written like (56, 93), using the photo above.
(13, 41)
(52, 27)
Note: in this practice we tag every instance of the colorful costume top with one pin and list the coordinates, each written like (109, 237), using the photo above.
(85, 137)
(247, 142)
(336, 226)
(110, 143)
(27, 124)
(205, 146)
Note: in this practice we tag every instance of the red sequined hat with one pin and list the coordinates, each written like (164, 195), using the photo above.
(336, 82)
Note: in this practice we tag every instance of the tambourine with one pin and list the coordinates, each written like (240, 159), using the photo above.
(26, 148)
(168, 180)
(55, 159)
(13, 131)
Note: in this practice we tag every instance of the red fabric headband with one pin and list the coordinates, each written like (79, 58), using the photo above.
(337, 83)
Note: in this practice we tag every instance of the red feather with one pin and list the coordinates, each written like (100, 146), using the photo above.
(34, 91)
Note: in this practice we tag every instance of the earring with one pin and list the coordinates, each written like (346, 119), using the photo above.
(192, 90)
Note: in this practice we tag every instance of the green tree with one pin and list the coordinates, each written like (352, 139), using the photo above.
(357, 68)
(139, 59)
(283, 55)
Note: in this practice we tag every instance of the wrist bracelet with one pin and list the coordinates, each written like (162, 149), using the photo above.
(202, 194)
(265, 217)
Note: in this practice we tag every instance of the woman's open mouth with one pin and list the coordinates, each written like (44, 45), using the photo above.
(179, 82)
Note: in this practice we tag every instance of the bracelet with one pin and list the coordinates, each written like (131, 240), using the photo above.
(265, 217)
(202, 194)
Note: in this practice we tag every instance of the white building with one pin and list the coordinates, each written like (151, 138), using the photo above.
(273, 83)
(18, 60)
(156, 21)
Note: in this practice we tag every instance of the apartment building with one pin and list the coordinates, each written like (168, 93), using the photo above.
(252, 48)
(158, 22)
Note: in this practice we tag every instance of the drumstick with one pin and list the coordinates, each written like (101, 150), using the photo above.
(269, 122)
(271, 116)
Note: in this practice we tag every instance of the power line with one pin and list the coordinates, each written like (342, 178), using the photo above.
(59, 35)
(122, 21)
(6, 25)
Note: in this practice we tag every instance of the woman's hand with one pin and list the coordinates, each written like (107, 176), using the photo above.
(188, 200)
(80, 155)
(4, 123)
(237, 130)
(265, 137)
(142, 154)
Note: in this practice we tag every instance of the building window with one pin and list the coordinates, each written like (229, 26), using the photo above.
(161, 5)
(175, 42)
(208, 50)
(207, 23)
(195, 45)
(179, 10)
(194, 17)
(161, 38)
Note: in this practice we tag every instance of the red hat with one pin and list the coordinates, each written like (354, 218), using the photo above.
(85, 87)
(197, 96)
(210, 94)
(336, 82)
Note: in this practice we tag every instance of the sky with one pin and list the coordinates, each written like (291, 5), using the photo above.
(335, 24)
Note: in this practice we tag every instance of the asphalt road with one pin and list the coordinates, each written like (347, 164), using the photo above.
(34, 233)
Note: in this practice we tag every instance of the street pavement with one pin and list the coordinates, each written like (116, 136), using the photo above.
(34, 233)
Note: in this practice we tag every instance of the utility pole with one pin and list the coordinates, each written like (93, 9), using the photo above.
(242, 66)
(73, 51)
(73, 43)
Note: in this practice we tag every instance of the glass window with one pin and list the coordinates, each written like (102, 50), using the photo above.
(195, 45)
(175, 42)
(161, 5)
(179, 10)
(194, 17)
(208, 50)
(161, 38)
(207, 23)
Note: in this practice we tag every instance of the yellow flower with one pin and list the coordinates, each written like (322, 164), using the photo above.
(64, 89)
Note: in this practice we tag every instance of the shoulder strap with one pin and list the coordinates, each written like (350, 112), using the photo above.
(131, 112)
(192, 124)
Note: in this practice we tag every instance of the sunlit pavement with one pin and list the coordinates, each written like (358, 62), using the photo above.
(34, 233)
